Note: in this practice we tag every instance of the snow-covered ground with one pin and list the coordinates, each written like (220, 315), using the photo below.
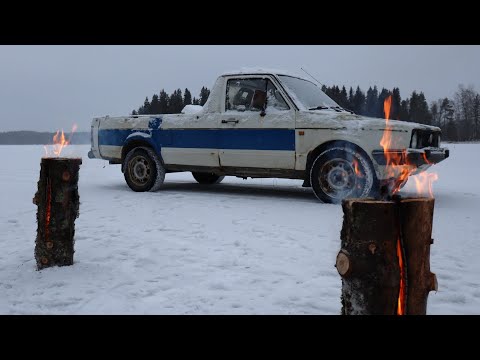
(241, 247)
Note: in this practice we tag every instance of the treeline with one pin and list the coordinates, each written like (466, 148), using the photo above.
(163, 103)
(371, 103)
(459, 117)
(39, 138)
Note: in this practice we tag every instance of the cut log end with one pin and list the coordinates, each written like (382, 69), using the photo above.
(417, 200)
(343, 264)
(350, 202)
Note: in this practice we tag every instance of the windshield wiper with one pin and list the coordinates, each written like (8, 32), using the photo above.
(320, 108)
(336, 108)
(339, 109)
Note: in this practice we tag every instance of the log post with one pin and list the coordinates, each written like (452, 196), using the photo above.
(368, 238)
(417, 219)
(57, 203)
(385, 252)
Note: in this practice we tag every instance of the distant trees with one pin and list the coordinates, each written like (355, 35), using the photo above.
(204, 94)
(39, 138)
(358, 104)
(396, 104)
(164, 100)
(155, 104)
(459, 117)
(418, 109)
(371, 104)
(162, 103)
(175, 105)
(187, 97)
(466, 106)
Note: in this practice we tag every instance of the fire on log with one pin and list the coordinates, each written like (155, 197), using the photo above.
(57, 203)
(384, 259)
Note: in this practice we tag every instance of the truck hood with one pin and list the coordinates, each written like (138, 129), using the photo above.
(322, 119)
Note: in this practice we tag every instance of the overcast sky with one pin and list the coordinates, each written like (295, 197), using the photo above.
(46, 88)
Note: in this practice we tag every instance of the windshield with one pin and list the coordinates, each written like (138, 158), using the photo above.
(307, 93)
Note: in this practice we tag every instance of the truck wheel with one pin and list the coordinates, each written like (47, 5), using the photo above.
(207, 178)
(339, 173)
(143, 170)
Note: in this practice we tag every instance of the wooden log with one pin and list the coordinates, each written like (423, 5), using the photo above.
(57, 201)
(417, 220)
(385, 252)
(369, 235)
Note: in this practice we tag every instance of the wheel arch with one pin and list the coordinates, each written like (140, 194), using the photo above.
(139, 141)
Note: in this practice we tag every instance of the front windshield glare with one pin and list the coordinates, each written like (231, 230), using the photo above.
(307, 93)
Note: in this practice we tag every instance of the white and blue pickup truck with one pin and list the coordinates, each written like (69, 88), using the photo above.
(266, 124)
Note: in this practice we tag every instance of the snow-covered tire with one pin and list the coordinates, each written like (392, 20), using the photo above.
(207, 178)
(143, 170)
(342, 172)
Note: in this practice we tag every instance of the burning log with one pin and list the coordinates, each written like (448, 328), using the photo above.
(417, 218)
(57, 200)
(384, 259)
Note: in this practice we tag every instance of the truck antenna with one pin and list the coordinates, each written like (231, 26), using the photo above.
(311, 76)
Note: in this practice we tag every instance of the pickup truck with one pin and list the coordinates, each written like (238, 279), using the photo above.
(268, 124)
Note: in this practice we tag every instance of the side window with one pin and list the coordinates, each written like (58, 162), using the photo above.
(245, 94)
(275, 99)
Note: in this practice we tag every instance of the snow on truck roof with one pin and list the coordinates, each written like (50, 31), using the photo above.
(259, 70)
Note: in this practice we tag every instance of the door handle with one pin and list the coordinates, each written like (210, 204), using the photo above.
(231, 120)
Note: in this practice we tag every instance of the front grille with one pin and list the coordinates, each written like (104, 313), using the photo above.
(426, 138)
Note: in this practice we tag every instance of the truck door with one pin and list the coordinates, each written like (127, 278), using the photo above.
(190, 140)
(257, 125)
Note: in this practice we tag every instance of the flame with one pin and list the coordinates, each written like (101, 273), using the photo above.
(386, 141)
(393, 159)
(423, 183)
(358, 173)
(48, 210)
(397, 165)
(403, 284)
(424, 155)
(59, 142)
(387, 105)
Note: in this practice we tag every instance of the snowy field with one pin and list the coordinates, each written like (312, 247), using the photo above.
(241, 247)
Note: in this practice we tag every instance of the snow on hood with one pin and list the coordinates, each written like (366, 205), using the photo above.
(325, 118)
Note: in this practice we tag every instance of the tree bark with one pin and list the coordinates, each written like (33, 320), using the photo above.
(416, 220)
(57, 203)
(369, 236)
(375, 235)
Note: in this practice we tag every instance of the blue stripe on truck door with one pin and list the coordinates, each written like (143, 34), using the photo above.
(241, 139)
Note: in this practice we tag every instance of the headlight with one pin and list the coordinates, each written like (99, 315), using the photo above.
(414, 140)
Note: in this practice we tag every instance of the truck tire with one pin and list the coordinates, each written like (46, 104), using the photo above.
(207, 178)
(143, 170)
(341, 172)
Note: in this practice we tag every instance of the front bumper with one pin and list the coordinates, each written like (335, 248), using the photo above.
(412, 157)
